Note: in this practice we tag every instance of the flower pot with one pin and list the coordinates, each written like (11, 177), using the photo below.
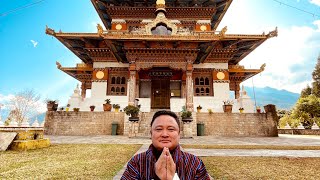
(186, 120)
(227, 108)
(116, 110)
(107, 107)
(67, 109)
(198, 110)
(241, 111)
(92, 108)
(258, 110)
(133, 119)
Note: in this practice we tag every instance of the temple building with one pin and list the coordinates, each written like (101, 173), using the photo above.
(165, 54)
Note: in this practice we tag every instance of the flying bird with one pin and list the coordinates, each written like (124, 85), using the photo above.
(34, 43)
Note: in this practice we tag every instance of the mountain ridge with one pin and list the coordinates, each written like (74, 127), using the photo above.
(283, 99)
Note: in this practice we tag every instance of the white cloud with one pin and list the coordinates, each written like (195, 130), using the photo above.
(290, 57)
(35, 43)
(316, 2)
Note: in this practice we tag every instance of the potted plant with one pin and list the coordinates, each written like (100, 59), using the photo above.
(258, 109)
(186, 116)
(68, 107)
(92, 107)
(76, 109)
(116, 107)
(241, 109)
(210, 111)
(227, 106)
(199, 108)
(52, 105)
(133, 112)
(107, 105)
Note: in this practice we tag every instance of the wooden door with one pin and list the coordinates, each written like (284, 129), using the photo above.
(160, 94)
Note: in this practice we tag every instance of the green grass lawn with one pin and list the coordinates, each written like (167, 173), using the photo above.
(103, 161)
(273, 147)
(89, 161)
(262, 167)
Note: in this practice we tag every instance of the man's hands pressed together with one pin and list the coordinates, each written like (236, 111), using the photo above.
(165, 167)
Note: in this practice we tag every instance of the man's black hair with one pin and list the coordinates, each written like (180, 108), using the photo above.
(164, 112)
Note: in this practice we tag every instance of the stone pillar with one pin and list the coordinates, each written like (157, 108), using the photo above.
(189, 91)
(187, 130)
(132, 87)
(133, 129)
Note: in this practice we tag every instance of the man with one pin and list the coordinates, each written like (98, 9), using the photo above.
(164, 160)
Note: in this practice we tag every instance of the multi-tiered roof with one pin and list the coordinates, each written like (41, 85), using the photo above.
(128, 33)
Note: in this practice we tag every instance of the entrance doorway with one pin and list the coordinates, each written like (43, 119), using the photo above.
(160, 94)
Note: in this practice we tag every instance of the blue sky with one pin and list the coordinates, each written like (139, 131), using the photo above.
(290, 57)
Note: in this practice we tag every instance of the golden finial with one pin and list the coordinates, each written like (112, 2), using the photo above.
(223, 31)
(262, 66)
(58, 65)
(100, 29)
(161, 2)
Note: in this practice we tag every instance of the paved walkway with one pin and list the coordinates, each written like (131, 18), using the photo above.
(284, 140)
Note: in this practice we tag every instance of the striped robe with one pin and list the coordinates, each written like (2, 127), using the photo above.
(188, 166)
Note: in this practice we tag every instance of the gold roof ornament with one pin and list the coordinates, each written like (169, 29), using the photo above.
(99, 29)
(161, 2)
(223, 31)
(262, 67)
(50, 31)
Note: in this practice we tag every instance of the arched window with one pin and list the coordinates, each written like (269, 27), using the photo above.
(123, 80)
(206, 81)
(197, 81)
(202, 84)
(118, 85)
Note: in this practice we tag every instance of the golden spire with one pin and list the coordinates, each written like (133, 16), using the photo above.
(161, 2)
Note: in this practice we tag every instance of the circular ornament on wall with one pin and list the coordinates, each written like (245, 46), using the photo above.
(118, 26)
(100, 74)
(203, 28)
(221, 75)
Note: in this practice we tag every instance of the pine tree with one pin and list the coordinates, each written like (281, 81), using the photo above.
(306, 92)
(316, 79)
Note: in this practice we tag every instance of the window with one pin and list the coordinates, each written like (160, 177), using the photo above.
(117, 85)
(202, 85)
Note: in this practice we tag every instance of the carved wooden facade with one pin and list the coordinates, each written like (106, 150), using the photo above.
(161, 39)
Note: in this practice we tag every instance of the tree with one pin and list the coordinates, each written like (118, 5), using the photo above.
(306, 91)
(23, 105)
(316, 79)
(306, 110)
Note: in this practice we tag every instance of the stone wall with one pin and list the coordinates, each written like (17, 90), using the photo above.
(300, 131)
(236, 124)
(82, 123)
(215, 124)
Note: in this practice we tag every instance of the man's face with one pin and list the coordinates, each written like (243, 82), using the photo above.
(165, 132)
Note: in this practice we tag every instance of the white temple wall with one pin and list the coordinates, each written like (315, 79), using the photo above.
(98, 90)
(176, 104)
(145, 104)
